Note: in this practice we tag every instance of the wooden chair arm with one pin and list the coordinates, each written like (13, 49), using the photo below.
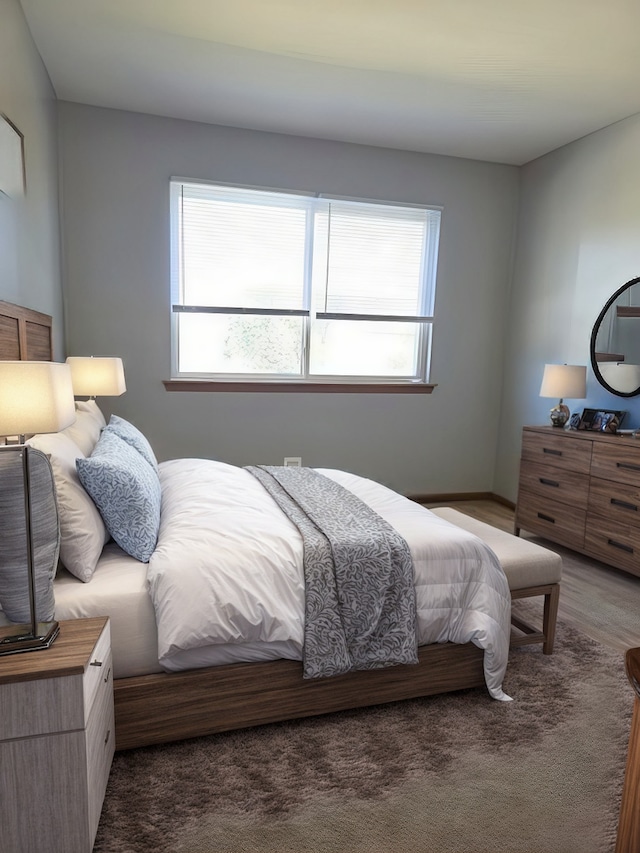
(632, 662)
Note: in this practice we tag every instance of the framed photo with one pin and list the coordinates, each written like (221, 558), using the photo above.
(12, 172)
(599, 420)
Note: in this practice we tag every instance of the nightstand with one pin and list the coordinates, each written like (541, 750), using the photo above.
(56, 740)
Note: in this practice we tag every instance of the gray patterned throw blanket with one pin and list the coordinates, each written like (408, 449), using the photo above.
(360, 609)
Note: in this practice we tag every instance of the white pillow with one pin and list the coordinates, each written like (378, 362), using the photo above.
(85, 431)
(92, 407)
(82, 530)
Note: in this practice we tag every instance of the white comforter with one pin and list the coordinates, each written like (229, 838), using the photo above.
(228, 568)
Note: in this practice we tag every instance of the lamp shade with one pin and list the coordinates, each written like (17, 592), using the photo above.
(564, 380)
(97, 377)
(35, 396)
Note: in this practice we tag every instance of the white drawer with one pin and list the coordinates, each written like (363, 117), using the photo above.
(98, 672)
(100, 740)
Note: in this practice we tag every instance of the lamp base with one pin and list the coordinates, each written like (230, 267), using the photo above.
(20, 638)
(559, 415)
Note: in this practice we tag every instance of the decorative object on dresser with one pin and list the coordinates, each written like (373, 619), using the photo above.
(581, 489)
(628, 840)
(35, 396)
(600, 420)
(560, 381)
(56, 741)
(97, 377)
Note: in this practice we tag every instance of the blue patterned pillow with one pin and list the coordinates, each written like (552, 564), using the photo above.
(132, 436)
(126, 490)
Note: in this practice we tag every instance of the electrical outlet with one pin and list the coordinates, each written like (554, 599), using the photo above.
(293, 461)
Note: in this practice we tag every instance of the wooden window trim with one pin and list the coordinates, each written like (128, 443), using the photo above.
(208, 385)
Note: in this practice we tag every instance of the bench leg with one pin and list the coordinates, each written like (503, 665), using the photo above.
(546, 636)
(550, 615)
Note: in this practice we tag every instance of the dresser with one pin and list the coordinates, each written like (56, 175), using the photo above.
(582, 489)
(56, 740)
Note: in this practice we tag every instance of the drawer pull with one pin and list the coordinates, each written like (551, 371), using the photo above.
(620, 545)
(624, 504)
(106, 740)
(546, 517)
(96, 663)
(630, 465)
(546, 482)
(106, 678)
(551, 451)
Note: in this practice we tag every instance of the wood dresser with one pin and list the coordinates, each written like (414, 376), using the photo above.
(56, 740)
(582, 489)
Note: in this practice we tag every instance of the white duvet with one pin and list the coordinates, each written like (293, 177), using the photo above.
(228, 569)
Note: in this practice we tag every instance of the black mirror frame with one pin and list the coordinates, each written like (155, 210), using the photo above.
(594, 334)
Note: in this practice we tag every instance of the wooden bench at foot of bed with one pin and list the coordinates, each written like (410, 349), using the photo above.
(165, 707)
(531, 571)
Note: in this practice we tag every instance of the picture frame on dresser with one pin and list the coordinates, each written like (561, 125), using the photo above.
(601, 420)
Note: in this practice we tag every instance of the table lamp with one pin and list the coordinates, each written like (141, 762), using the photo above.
(563, 380)
(35, 397)
(97, 377)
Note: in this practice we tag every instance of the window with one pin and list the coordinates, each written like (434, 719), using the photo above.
(291, 287)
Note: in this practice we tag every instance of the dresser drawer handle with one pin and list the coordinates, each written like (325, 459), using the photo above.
(106, 678)
(546, 482)
(546, 517)
(629, 465)
(106, 740)
(96, 663)
(619, 545)
(624, 504)
(551, 451)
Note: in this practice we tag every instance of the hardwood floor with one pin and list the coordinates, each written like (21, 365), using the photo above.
(602, 602)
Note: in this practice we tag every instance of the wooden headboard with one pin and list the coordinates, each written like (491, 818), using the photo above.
(25, 334)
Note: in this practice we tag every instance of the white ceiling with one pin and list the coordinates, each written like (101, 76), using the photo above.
(499, 80)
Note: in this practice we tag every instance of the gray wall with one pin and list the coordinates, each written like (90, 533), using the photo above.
(578, 241)
(115, 177)
(29, 227)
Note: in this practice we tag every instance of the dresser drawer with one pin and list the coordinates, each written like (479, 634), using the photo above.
(615, 501)
(560, 451)
(556, 521)
(616, 462)
(556, 484)
(614, 542)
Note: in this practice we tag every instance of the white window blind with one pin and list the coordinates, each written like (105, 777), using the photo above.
(280, 285)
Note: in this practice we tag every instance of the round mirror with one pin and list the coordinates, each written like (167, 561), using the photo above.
(615, 342)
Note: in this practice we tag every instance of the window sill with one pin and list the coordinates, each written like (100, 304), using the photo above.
(298, 387)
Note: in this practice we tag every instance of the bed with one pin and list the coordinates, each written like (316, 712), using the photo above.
(178, 682)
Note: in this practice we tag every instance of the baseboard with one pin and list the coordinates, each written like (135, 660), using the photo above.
(449, 497)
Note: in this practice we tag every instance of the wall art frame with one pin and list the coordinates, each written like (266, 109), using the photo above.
(13, 179)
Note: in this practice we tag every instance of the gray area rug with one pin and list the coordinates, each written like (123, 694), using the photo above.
(459, 773)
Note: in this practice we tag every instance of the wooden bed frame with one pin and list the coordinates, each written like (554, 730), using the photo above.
(164, 707)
